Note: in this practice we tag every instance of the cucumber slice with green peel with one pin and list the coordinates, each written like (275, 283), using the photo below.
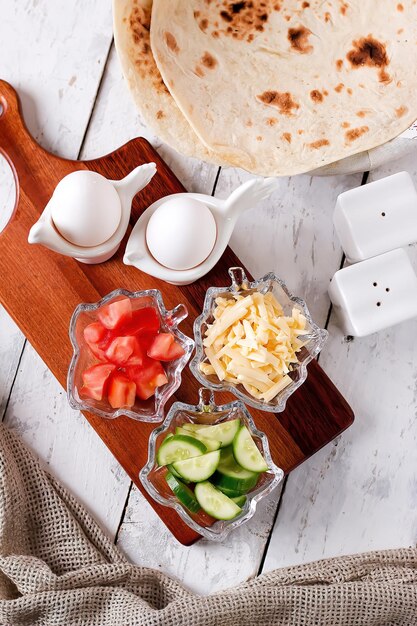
(198, 468)
(223, 432)
(216, 503)
(231, 476)
(183, 493)
(193, 427)
(234, 486)
(239, 500)
(173, 471)
(232, 493)
(178, 448)
(246, 452)
(211, 444)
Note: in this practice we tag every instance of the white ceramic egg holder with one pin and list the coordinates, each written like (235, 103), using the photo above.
(225, 212)
(380, 289)
(45, 232)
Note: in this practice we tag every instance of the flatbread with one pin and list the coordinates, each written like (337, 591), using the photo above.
(131, 22)
(281, 87)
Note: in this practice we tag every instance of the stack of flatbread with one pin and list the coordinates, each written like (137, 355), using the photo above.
(277, 87)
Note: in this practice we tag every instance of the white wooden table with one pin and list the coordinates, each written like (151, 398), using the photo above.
(359, 492)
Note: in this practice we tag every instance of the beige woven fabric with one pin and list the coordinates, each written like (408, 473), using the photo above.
(58, 568)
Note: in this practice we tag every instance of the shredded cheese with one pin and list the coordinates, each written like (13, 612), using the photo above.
(251, 342)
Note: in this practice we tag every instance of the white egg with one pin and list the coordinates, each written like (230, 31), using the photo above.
(86, 208)
(181, 233)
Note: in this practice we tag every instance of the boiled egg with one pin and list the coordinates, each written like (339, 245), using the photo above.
(86, 208)
(181, 233)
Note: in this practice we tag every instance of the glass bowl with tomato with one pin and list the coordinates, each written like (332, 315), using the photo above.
(128, 355)
(210, 464)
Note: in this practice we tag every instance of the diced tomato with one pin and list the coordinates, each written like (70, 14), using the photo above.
(122, 391)
(95, 332)
(165, 348)
(175, 351)
(146, 340)
(97, 338)
(144, 320)
(116, 314)
(96, 379)
(125, 350)
(160, 346)
(147, 378)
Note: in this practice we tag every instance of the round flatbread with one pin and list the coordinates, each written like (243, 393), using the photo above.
(131, 22)
(281, 87)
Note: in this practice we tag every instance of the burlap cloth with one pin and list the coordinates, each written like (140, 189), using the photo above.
(58, 568)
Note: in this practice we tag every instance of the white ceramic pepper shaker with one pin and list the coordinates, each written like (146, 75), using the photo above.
(375, 294)
(377, 217)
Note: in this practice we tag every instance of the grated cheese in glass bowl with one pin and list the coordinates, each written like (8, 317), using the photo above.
(255, 339)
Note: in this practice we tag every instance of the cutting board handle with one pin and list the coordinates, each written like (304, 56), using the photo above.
(16, 143)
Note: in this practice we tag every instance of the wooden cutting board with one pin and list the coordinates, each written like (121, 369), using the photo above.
(40, 289)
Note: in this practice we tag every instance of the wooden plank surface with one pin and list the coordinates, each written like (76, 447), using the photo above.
(41, 293)
(56, 53)
(292, 234)
(359, 493)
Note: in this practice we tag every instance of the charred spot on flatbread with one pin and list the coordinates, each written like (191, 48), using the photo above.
(198, 71)
(355, 133)
(316, 95)
(369, 52)
(240, 20)
(171, 42)
(282, 101)
(320, 143)
(299, 39)
(402, 110)
(208, 61)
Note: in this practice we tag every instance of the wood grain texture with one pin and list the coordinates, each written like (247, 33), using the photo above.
(55, 52)
(205, 567)
(360, 492)
(51, 307)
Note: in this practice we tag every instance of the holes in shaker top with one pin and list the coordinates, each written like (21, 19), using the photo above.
(378, 304)
(383, 214)
(375, 284)
(387, 289)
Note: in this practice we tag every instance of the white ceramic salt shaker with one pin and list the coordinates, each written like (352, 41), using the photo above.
(377, 217)
(375, 294)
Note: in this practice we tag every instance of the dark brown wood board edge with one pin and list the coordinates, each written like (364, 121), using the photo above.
(88, 283)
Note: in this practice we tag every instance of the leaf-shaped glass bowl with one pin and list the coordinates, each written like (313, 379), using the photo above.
(314, 340)
(206, 412)
(151, 410)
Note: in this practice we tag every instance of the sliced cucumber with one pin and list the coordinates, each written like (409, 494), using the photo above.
(246, 452)
(239, 500)
(216, 503)
(211, 444)
(179, 447)
(230, 476)
(232, 493)
(183, 493)
(223, 432)
(174, 472)
(198, 468)
(193, 427)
